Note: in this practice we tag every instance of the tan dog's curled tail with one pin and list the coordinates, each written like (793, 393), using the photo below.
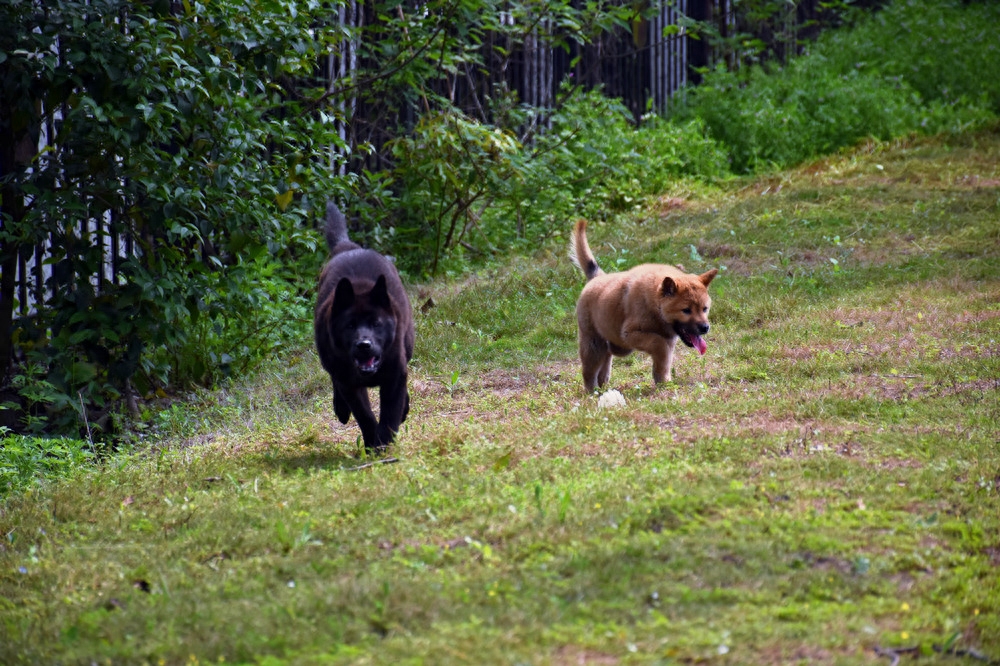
(580, 254)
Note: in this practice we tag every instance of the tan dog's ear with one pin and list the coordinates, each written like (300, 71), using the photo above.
(706, 278)
(669, 288)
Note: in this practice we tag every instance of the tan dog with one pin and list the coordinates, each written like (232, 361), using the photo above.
(645, 308)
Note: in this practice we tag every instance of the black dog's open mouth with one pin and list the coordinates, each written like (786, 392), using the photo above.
(367, 364)
(692, 340)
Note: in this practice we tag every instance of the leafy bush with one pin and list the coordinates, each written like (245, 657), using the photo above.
(26, 460)
(263, 311)
(203, 162)
(594, 162)
(916, 66)
(448, 169)
(772, 119)
(469, 188)
(945, 50)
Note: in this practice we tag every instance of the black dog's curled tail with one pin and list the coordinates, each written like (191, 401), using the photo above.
(335, 229)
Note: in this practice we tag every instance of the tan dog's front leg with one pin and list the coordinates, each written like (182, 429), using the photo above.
(663, 364)
(661, 349)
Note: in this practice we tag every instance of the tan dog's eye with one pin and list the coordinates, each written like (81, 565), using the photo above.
(687, 311)
(704, 309)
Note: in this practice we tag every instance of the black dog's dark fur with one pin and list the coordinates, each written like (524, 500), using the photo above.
(364, 333)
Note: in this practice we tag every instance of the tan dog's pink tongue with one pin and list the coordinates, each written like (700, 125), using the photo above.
(699, 344)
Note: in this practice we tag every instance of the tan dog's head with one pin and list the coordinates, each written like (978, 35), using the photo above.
(685, 305)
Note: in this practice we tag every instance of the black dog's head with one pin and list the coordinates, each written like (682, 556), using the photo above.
(364, 324)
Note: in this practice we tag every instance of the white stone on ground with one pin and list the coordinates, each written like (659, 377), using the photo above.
(612, 398)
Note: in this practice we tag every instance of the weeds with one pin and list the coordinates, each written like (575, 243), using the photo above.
(912, 67)
(25, 461)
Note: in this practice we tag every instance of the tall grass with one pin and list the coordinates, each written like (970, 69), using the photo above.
(916, 66)
(27, 461)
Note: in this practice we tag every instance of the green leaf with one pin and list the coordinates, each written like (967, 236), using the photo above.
(80, 336)
(284, 200)
(949, 644)
(503, 462)
(81, 373)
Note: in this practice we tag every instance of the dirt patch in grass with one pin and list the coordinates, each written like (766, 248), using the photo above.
(628, 447)
(977, 182)
(499, 381)
(978, 387)
(670, 204)
(914, 328)
(782, 435)
(900, 463)
(914, 311)
(804, 654)
(506, 383)
(572, 655)
(736, 260)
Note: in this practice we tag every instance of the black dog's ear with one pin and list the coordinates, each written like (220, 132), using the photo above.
(380, 294)
(668, 288)
(343, 297)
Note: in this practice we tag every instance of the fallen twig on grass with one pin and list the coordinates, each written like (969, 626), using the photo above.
(896, 653)
(383, 461)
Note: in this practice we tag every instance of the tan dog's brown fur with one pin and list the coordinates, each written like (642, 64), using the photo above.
(646, 308)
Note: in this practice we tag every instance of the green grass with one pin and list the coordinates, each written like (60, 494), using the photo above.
(915, 66)
(825, 481)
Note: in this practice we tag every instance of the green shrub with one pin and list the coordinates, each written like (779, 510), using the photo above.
(596, 150)
(945, 50)
(916, 66)
(257, 312)
(774, 119)
(448, 169)
(27, 460)
(202, 161)
(464, 188)
(578, 167)
(593, 162)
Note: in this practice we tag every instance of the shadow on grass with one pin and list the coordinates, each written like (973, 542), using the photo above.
(329, 458)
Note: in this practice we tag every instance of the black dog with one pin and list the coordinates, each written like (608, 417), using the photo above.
(364, 333)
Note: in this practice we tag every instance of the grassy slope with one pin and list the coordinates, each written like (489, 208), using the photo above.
(824, 481)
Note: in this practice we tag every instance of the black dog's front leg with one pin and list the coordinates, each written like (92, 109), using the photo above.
(340, 406)
(355, 401)
(395, 405)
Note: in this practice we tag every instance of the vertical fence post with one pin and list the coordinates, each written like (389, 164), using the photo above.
(698, 49)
